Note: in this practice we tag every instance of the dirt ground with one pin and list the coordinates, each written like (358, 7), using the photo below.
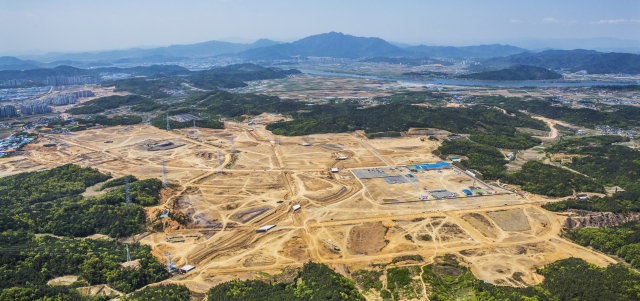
(343, 220)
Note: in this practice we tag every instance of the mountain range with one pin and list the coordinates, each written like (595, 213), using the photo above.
(333, 44)
(339, 45)
(571, 60)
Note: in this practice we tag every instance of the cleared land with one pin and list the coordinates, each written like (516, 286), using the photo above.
(345, 219)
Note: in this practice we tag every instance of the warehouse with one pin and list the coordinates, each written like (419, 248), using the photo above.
(442, 193)
(265, 228)
(187, 268)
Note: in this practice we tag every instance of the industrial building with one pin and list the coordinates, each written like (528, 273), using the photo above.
(334, 170)
(264, 229)
(187, 268)
(437, 166)
(442, 193)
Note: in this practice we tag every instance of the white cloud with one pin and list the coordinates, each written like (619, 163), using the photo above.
(554, 20)
(516, 21)
(611, 21)
(635, 21)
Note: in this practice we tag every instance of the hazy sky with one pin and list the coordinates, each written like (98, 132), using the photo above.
(61, 25)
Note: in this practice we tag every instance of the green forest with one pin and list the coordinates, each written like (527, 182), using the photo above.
(234, 76)
(623, 241)
(113, 121)
(50, 202)
(619, 116)
(608, 163)
(147, 87)
(515, 73)
(314, 281)
(539, 178)
(168, 292)
(396, 117)
(100, 105)
(32, 261)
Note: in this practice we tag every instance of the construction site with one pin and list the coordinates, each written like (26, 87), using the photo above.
(257, 203)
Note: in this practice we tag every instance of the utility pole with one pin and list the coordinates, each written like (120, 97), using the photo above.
(195, 133)
(219, 162)
(168, 122)
(128, 256)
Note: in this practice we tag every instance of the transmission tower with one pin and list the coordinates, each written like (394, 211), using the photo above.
(168, 122)
(195, 134)
(170, 264)
(278, 140)
(233, 148)
(164, 174)
(128, 256)
(148, 118)
(126, 183)
(219, 162)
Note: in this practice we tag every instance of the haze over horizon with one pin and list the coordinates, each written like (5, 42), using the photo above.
(29, 26)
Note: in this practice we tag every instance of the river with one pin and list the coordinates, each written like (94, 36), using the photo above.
(465, 82)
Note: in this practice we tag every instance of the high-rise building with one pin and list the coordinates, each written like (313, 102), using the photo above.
(67, 98)
(34, 107)
(75, 80)
(16, 82)
(8, 111)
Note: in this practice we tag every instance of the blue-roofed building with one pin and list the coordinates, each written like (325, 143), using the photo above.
(467, 192)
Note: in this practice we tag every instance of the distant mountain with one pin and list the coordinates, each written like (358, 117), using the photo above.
(14, 63)
(515, 73)
(41, 74)
(482, 51)
(204, 49)
(572, 60)
(333, 44)
(598, 44)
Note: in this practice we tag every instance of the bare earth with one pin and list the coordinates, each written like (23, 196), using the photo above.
(367, 219)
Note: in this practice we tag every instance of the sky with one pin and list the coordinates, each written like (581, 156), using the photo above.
(30, 26)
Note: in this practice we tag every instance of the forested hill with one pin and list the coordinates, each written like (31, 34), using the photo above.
(51, 202)
(234, 76)
(573, 60)
(490, 125)
(617, 116)
(515, 73)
